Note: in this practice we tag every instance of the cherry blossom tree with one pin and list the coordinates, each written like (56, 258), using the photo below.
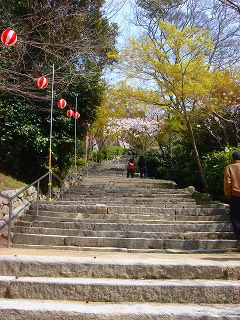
(140, 133)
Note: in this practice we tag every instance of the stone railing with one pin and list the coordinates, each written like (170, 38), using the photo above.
(203, 198)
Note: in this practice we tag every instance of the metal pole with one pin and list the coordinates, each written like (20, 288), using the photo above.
(38, 187)
(75, 156)
(69, 187)
(86, 151)
(50, 145)
(87, 142)
(9, 223)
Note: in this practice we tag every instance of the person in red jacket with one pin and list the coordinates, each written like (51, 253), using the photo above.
(232, 192)
(130, 168)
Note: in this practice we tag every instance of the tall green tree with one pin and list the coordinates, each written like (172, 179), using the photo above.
(75, 36)
(72, 34)
(213, 15)
(175, 67)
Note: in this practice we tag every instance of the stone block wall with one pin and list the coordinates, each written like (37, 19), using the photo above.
(20, 204)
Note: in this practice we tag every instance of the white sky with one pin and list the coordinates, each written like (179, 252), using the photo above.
(123, 17)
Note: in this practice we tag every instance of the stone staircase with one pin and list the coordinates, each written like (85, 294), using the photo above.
(118, 287)
(113, 237)
(114, 213)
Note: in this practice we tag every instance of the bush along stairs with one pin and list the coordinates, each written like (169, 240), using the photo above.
(106, 255)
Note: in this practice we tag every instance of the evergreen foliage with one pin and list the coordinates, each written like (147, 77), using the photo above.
(109, 152)
(75, 36)
(214, 164)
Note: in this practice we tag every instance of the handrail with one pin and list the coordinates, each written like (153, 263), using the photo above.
(56, 176)
(74, 169)
(10, 199)
(78, 172)
(62, 188)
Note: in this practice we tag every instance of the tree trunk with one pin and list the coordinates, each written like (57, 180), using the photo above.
(196, 154)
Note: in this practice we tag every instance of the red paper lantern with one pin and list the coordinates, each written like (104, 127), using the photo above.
(70, 113)
(42, 83)
(62, 103)
(9, 38)
(76, 115)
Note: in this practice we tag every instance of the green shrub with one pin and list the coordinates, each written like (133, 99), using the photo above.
(109, 152)
(180, 166)
(155, 164)
(214, 164)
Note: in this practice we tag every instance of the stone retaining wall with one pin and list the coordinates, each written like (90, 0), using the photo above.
(19, 205)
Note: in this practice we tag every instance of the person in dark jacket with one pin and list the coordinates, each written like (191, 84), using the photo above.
(142, 166)
(130, 168)
(232, 192)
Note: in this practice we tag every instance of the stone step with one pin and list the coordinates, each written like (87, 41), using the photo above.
(139, 202)
(134, 187)
(121, 290)
(62, 214)
(121, 218)
(181, 211)
(145, 188)
(81, 208)
(66, 216)
(101, 218)
(117, 194)
(14, 309)
(172, 204)
(132, 243)
(174, 193)
(112, 250)
(137, 198)
(128, 183)
(122, 201)
(125, 209)
(120, 268)
(126, 234)
(125, 218)
(141, 226)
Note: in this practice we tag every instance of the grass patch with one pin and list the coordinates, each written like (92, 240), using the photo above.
(9, 183)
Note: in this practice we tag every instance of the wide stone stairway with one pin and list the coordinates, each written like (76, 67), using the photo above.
(118, 248)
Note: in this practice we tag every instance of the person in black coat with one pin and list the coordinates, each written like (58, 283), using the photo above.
(142, 166)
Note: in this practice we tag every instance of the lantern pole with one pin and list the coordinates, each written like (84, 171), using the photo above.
(50, 144)
(75, 155)
(87, 143)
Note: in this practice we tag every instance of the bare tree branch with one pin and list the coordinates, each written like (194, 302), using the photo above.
(231, 4)
(74, 36)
